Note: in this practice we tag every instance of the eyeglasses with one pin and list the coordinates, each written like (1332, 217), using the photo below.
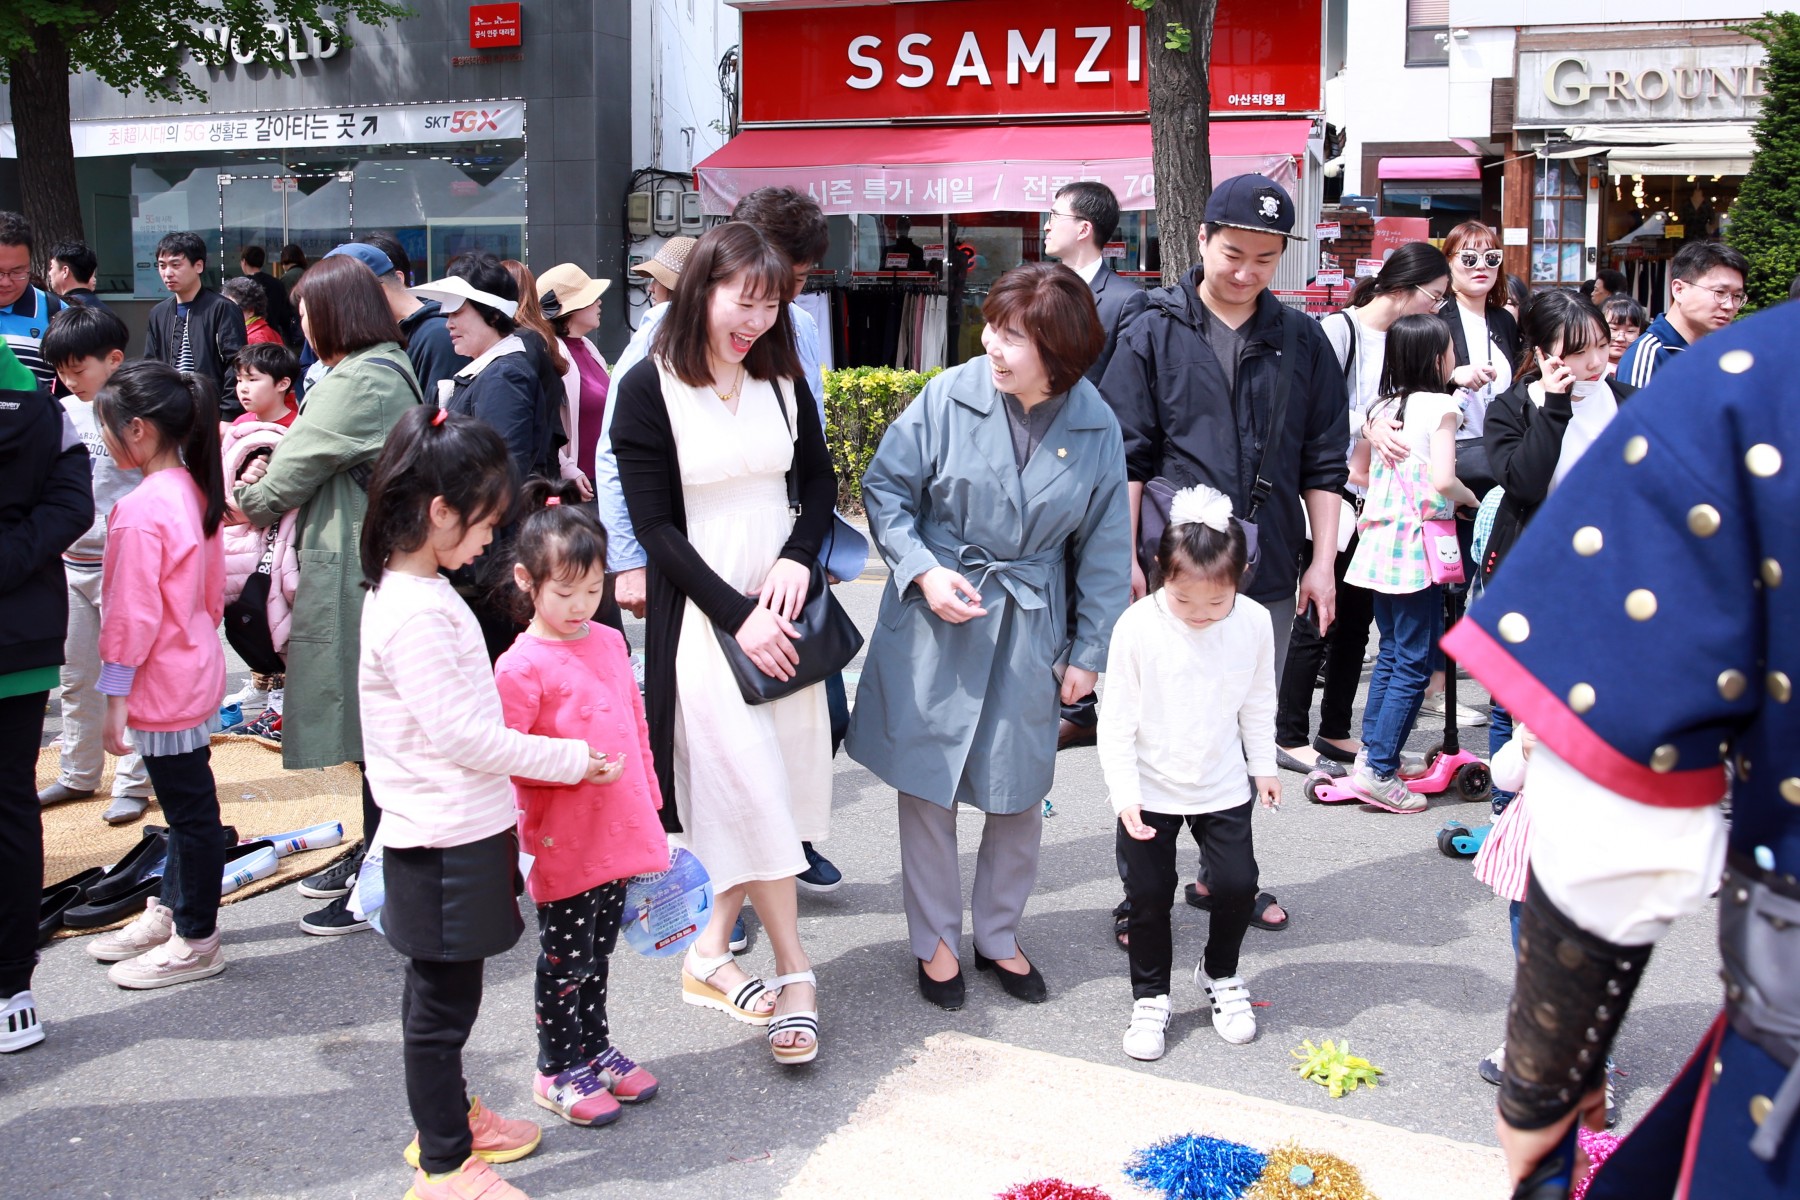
(1067, 216)
(1436, 298)
(1471, 259)
(1726, 296)
(17, 274)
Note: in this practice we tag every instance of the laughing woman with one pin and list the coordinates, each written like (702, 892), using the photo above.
(706, 430)
(1004, 478)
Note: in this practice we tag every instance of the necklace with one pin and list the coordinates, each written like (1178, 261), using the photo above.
(728, 396)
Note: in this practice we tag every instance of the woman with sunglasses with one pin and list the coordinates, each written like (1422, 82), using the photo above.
(1485, 335)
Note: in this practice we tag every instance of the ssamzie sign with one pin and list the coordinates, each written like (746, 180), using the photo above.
(992, 59)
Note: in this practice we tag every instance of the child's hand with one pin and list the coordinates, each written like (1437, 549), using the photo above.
(603, 769)
(1268, 791)
(113, 732)
(1133, 820)
(1527, 741)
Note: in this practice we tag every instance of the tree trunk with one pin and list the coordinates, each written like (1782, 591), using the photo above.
(1180, 143)
(40, 111)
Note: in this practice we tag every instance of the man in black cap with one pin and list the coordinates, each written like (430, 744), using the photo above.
(1215, 381)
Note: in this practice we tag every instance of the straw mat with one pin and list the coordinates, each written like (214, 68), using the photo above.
(255, 795)
(969, 1118)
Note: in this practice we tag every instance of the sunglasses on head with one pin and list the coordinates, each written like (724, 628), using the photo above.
(1474, 258)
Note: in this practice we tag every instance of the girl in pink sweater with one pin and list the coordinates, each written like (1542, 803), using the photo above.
(568, 677)
(439, 754)
(162, 593)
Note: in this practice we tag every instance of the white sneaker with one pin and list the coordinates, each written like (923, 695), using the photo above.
(175, 961)
(1149, 1022)
(152, 929)
(1232, 1015)
(249, 696)
(19, 1025)
(1466, 717)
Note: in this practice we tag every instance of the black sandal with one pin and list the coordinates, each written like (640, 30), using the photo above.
(1258, 915)
(1122, 925)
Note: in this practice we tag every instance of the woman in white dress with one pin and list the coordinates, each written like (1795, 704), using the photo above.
(706, 430)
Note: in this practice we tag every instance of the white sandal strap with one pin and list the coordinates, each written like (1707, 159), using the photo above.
(795, 1022)
(747, 993)
(703, 968)
(781, 981)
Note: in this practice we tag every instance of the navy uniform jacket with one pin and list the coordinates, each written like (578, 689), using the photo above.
(1111, 292)
(1647, 628)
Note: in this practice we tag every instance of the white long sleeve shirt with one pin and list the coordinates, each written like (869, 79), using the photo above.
(1187, 713)
(439, 751)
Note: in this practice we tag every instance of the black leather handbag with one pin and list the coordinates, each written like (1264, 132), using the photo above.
(828, 639)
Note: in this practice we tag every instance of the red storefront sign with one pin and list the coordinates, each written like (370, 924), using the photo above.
(1391, 233)
(995, 59)
(495, 25)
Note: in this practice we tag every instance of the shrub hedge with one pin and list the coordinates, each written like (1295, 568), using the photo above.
(860, 403)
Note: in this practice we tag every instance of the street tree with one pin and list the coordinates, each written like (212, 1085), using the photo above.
(1179, 34)
(131, 45)
(1765, 219)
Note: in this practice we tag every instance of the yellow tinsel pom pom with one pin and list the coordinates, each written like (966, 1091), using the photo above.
(1295, 1173)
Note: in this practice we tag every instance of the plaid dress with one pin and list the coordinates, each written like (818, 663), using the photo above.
(1390, 551)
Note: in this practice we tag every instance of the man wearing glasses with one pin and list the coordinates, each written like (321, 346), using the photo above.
(25, 311)
(1083, 218)
(1706, 292)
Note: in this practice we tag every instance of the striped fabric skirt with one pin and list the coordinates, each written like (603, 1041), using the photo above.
(1504, 861)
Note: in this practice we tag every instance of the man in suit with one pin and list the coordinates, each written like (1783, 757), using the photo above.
(1083, 218)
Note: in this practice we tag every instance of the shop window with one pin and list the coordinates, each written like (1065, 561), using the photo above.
(1559, 222)
(1427, 33)
(1442, 202)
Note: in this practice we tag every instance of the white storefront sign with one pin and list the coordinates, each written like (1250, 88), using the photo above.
(1669, 83)
(294, 128)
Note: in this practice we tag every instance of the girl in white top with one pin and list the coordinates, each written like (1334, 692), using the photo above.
(1189, 712)
(439, 760)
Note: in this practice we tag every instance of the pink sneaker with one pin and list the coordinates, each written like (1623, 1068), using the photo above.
(175, 961)
(628, 1082)
(577, 1095)
(153, 927)
(474, 1180)
(496, 1139)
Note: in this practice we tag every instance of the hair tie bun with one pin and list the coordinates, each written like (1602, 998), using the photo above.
(1201, 505)
(438, 417)
(552, 501)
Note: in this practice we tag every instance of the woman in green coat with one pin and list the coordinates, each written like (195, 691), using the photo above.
(321, 468)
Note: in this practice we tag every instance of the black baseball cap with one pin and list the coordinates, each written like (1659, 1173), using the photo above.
(1253, 202)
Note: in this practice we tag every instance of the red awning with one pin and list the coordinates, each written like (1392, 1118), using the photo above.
(1429, 168)
(976, 168)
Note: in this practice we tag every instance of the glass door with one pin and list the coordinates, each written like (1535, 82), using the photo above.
(308, 205)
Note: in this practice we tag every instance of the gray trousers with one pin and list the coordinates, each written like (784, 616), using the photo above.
(931, 878)
(83, 707)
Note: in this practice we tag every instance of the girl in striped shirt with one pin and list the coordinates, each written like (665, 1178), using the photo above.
(439, 758)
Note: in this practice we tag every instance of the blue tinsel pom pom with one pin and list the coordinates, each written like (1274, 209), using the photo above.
(1193, 1167)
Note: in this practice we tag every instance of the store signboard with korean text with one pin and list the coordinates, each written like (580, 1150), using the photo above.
(294, 128)
(495, 25)
(999, 59)
(1666, 83)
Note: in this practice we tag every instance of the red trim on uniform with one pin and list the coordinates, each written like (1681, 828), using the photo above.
(1529, 701)
(1709, 1046)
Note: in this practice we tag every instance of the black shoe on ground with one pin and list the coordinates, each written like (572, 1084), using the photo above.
(1029, 987)
(333, 881)
(820, 875)
(335, 918)
(947, 994)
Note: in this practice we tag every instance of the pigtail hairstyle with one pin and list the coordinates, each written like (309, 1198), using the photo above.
(1414, 359)
(1565, 321)
(556, 540)
(432, 453)
(1202, 538)
(184, 410)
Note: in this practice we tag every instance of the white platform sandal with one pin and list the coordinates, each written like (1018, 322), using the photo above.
(695, 990)
(804, 1022)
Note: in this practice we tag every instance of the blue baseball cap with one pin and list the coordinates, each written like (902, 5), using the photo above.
(1253, 202)
(365, 254)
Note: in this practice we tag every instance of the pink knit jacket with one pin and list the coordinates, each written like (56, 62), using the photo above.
(245, 543)
(584, 835)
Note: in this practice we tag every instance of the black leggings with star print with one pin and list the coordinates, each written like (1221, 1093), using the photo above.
(576, 937)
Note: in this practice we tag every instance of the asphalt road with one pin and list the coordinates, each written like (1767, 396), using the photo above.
(282, 1076)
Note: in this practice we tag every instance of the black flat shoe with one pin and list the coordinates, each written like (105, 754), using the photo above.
(947, 995)
(51, 910)
(92, 915)
(145, 860)
(1029, 987)
(1336, 755)
(81, 879)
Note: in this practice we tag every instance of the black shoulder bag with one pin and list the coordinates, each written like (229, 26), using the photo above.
(247, 618)
(1159, 493)
(828, 639)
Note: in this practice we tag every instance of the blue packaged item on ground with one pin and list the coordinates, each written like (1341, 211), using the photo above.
(370, 892)
(665, 910)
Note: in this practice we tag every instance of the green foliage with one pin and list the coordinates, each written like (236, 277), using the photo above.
(140, 45)
(860, 403)
(1334, 1068)
(1179, 38)
(1765, 220)
(1143, 5)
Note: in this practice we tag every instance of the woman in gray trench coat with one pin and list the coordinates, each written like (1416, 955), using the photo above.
(998, 488)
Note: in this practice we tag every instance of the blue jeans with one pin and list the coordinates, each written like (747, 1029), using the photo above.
(1410, 626)
(1500, 732)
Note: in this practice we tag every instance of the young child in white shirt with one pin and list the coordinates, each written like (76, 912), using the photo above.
(1189, 712)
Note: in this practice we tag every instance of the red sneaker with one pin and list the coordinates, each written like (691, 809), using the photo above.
(577, 1095)
(626, 1080)
(496, 1139)
(474, 1180)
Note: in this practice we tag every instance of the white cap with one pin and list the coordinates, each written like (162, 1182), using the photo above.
(451, 291)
